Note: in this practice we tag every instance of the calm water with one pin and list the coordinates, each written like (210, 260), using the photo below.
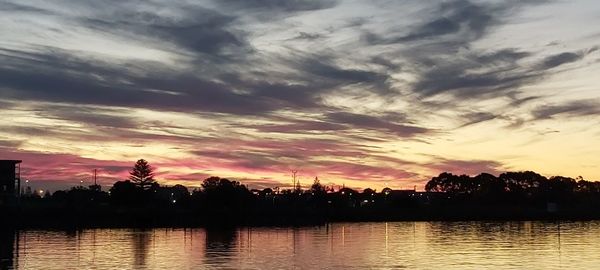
(402, 245)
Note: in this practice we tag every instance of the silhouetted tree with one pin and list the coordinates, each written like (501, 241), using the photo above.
(266, 191)
(317, 188)
(488, 184)
(97, 188)
(368, 191)
(125, 192)
(587, 186)
(347, 191)
(142, 174)
(524, 183)
(222, 192)
(59, 195)
(179, 193)
(211, 183)
(450, 183)
(559, 188)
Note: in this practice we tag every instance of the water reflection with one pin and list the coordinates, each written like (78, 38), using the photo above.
(7, 248)
(412, 245)
(140, 246)
(219, 245)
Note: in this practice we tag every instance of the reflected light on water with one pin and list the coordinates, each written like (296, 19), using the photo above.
(412, 245)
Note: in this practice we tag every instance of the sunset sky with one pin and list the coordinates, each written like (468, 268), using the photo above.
(361, 93)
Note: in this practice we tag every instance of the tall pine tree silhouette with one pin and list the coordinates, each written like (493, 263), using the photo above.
(142, 174)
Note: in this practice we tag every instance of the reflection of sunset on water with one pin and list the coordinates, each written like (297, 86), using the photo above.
(424, 245)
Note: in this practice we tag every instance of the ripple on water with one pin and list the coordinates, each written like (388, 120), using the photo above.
(398, 245)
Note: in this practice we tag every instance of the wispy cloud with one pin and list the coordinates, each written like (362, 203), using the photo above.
(343, 89)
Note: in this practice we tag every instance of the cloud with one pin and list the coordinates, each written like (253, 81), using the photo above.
(560, 59)
(197, 29)
(46, 166)
(455, 16)
(327, 70)
(577, 108)
(308, 36)
(256, 87)
(440, 54)
(14, 7)
(458, 22)
(477, 117)
(342, 123)
(376, 123)
(469, 167)
(10, 144)
(280, 5)
(92, 116)
(475, 75)
(300, 126)
(60, 78)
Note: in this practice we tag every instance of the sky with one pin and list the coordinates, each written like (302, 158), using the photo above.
(378, 93)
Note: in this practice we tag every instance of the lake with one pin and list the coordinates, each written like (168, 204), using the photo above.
(393, 245)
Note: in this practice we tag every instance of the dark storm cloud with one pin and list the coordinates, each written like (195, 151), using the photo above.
(576, 108)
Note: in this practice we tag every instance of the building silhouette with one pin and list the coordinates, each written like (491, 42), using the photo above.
(10, 181)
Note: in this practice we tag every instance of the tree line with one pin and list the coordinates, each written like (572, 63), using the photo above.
(447, 196)
(514, 187)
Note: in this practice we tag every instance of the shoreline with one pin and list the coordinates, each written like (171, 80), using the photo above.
(142, 220)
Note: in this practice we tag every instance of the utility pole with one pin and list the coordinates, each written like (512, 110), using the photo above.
(294, 172)
(96, 187)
